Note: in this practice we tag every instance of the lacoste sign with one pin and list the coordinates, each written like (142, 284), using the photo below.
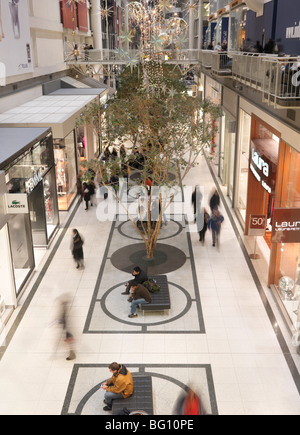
(16, 203)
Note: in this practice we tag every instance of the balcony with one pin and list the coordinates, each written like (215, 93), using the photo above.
(220, 62)
(123, 57)
(277, 78)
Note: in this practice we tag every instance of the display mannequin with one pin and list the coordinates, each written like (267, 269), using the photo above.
(14, 11)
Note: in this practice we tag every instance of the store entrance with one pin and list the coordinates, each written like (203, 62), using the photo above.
(269, 208)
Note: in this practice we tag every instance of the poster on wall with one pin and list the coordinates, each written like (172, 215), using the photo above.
(15, 41)
(286, 225)
(68, 10)
(83, 23)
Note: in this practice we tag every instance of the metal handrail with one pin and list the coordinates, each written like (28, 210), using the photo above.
(123, 56)
(278, 78)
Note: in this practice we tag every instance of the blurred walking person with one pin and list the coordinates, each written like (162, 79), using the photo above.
(86, 195)
(63, 320)
(189, 403)
(91, 187)
(77, 248)
(79, 188)
(214, 200)
(214, 224)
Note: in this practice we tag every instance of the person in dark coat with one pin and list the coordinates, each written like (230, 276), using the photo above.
(77, 250)
(214, 200)
(214, 224)
(139, 277)
(86, 195)
(202, 222)
(91, 187)
(196, 201)
(79, 187)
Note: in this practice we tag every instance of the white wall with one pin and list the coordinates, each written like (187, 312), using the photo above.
(7, 287)
(19, 98)
(290, 136)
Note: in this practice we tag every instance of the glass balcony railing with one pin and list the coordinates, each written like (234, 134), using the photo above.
(278, 78)
(126, 56)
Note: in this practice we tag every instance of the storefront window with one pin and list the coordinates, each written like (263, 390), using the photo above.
(37, 215)
(213, 92)
(7, 282)
(293, 185)
(66, 170)
(31, 173)
(243, 164)
(21, 248)
(237, 28)
(290, 252)
(228, 135)
(28, 170)
(50, 198)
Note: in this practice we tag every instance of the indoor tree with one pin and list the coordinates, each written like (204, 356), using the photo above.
(164, 131)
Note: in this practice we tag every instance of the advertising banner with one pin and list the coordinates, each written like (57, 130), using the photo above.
(15, 41)
(257, 225)
(68, 9)
(286, 225)
(83, 23)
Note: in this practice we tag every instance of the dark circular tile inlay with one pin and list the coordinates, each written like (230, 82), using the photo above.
(166, 258)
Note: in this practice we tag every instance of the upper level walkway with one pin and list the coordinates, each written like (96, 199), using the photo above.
(277, 78)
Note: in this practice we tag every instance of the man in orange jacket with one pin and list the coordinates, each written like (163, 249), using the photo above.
(119, 386)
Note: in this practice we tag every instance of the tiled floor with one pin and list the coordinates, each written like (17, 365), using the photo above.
(223, 335)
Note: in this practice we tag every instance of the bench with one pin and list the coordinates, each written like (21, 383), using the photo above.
(160, 300)
(141, 398)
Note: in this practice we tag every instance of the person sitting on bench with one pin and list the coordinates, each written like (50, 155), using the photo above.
(139, 277)
(119, 386)
(140, 295)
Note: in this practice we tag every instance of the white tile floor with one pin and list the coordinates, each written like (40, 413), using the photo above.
(250, 374)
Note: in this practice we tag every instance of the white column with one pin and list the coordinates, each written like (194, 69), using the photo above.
(96, 24)
(126, 22)
(191, 26)
(200, 24)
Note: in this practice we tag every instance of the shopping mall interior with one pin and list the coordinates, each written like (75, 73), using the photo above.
(158, 137)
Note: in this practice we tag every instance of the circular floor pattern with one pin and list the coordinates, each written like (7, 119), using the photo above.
(166, 259)
(172, 229)
(117, 307)
(92, 402)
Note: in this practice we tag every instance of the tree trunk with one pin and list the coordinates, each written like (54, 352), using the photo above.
(152, 240)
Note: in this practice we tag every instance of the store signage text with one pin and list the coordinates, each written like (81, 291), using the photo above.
(34, 181)
(258, 177)
(293, 32)
(286, 226)
(260, 163)
(261, 170)
(16, 203)
(257, 225)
